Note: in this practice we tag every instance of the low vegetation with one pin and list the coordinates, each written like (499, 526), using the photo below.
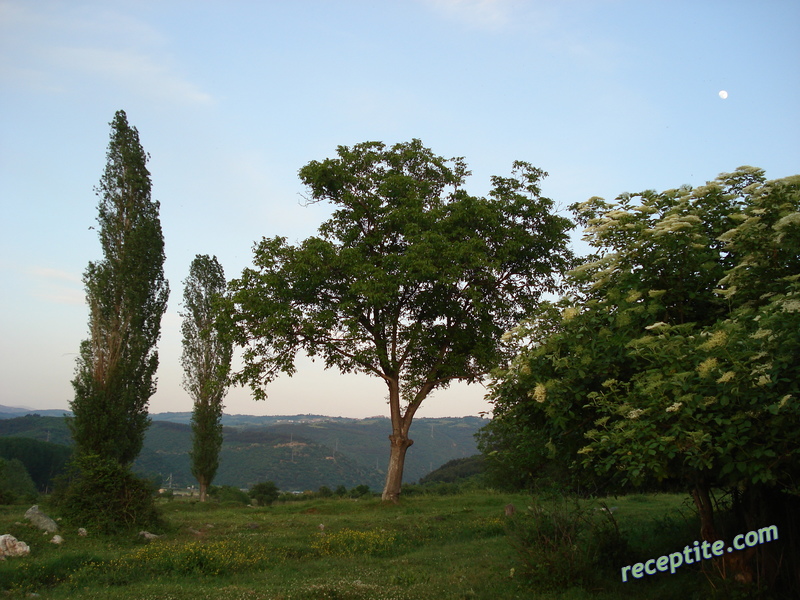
(427, 546)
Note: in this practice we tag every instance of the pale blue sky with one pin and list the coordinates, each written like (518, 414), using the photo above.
(231, 98)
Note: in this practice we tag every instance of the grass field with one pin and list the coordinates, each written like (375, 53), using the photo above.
(442, 547)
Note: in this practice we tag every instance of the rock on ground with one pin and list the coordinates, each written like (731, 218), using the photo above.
(41, 520)
(11, 546)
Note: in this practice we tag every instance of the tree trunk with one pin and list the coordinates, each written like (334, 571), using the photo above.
(736, 565)
(399, 439)
(203, 489)
(397, 458)
(702, 501)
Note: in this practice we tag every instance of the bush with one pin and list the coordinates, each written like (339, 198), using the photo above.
(360, 491)
(228, 494)
(16, 484)
(564, 544)
(104, 495)
(265, 493)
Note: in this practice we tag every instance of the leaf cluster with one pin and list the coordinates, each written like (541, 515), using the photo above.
(411, 279)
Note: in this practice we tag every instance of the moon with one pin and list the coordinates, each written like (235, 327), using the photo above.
(723, 94)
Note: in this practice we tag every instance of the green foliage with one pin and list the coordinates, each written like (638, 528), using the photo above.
(674, 361)
(455, 470)
(47, 572)
(229, 494)
(103, 495)
(127, 295)
(206, 360)
(565, 544)
(360, 491)
(43, 460)
(411, 279)
(46, 429)
(265, 493)
(16, 484)
(661, 367)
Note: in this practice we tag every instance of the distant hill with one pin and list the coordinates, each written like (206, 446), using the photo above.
(12, 412)
(298, 452)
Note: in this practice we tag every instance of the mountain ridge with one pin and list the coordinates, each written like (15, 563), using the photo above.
(297, 452)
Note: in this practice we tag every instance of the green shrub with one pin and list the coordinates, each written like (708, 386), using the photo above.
(360, 491)
(16, 484)
(562, 544)
(265, 493)
(104, 495)
(227, 494)
(45, 572)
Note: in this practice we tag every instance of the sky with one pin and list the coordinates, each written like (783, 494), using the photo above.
(232, 97)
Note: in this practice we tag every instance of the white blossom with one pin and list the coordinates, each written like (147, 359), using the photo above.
(792, 305)
(716, 340)
(727, 376)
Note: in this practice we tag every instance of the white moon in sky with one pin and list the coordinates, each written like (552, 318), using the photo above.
(723, 94)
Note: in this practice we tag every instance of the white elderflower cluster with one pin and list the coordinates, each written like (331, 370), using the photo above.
(570, 313)
(717, 340)
(705, 367)
(635, 413)
(726, 377)
(633, 296)
(761, 333)
(674, 407)
(539, 393)
(792, 305)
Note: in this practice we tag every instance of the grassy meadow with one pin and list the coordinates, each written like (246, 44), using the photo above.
(443, 547)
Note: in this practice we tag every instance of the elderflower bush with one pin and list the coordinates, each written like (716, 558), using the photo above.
(676, 356)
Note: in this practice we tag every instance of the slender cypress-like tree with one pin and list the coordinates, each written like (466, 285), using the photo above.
(206, 359)
(127, 295)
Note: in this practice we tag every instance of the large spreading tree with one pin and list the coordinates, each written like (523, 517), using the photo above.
(127, 295)
(411, 280)
(206, 360)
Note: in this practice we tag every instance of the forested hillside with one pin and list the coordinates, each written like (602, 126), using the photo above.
(297, 453)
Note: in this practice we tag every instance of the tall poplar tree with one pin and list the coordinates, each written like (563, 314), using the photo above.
(206, 359)
(127, 295)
